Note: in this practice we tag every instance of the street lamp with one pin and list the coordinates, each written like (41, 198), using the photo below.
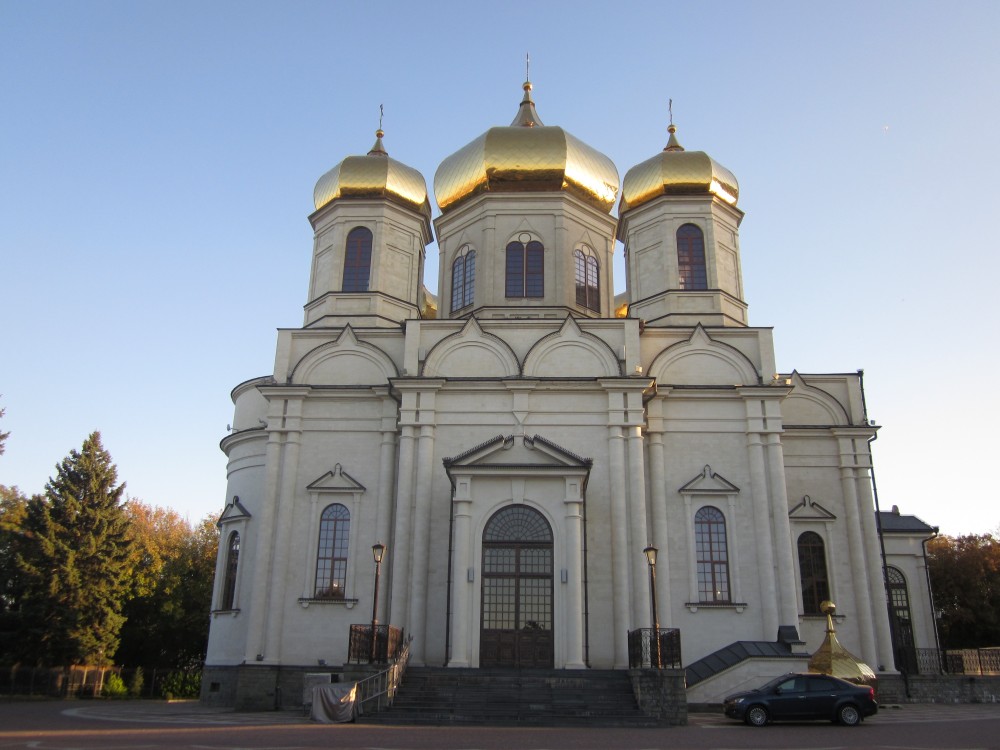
(650, 553)
(378, 551)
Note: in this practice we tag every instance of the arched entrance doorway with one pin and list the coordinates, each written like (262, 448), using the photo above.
(516, 623)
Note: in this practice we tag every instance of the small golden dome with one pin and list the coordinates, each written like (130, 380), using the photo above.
(675, 171)
(526, 156)
(374, 176)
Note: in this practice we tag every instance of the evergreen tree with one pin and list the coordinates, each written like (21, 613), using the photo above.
(13, 510)
(76, 562)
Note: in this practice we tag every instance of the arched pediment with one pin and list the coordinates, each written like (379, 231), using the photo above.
(571, 353)
(701, 360)
(808, 405)
(471, 353)
(345, 361)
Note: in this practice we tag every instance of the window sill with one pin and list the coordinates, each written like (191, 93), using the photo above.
(695, 606)
(349, 603)
(230, 612)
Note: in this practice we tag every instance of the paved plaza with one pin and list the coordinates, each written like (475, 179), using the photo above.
(147, 725)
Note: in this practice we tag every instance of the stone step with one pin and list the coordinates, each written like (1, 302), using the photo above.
(515, 697)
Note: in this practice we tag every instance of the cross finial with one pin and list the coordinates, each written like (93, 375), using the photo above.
(527, 66)
(670, 108)
(381, 112)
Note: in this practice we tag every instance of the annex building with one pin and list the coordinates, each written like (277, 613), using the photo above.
(517, 442)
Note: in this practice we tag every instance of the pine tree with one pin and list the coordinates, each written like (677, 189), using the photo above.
(76, 562)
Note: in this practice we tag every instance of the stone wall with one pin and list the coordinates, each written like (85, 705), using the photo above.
(939, 689)
(661, 693)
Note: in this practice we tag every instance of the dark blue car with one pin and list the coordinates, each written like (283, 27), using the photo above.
(800, 697)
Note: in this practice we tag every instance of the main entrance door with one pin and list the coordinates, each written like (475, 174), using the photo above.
(517, 590)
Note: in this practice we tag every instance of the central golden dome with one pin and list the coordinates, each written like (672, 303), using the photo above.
(526, 156)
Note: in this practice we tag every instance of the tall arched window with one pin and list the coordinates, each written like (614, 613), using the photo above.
(712, 555)
(525, 268)
(232, 564)
(812, 572)
(463, 278)
(588, 292)
(331, 557)
(357, 260)
(691, 257)
(899, 598)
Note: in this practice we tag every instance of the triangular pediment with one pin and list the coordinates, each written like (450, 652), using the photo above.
(520, 452)
(234, 511)
(709, 483)
(336, 480)
(809, 509)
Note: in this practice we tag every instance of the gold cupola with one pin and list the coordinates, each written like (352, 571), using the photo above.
(375, 175)
(523, 157)
(675, 171)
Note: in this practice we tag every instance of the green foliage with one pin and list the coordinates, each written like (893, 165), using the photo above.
(965, 581)
(114, 687)
(168, 616)
(136, 683)
(182, 684)
(74, 560)
(13, 510)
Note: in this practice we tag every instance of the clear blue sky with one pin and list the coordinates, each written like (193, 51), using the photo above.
(157, 162)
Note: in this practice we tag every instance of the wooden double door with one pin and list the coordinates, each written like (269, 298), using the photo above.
(516, 615)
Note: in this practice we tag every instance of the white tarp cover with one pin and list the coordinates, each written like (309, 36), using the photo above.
(333, 704)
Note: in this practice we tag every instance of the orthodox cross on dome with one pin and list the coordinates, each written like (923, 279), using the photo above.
(670, 109)
(527, 66)
(378, 149)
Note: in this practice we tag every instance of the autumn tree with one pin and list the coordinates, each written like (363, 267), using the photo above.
(965, 580)
(173, 569)
(3, 435)
(75, 562)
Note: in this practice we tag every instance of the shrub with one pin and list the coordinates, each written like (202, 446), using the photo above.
(136, 683)
(114, 687)
(181, 684)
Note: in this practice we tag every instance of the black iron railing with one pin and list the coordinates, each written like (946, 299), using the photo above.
(388, 641)
(643, 652)
(967, 661)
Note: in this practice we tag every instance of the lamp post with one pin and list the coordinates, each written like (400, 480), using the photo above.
(650, 553)
(378, 550)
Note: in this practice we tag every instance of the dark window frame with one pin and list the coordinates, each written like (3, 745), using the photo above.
(332, 552)
(463, 279)
(588, 290)
(525, 270)
(813, 572)
(692, 273)
(712, 556)
(232, 567)
(357, 260)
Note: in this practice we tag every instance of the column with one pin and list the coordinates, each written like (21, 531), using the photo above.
(574, 574)
(766, 573)
(620, 576)
(399, 603)
(637, 517)
(787, 599)
(658, 498)
(461, 616)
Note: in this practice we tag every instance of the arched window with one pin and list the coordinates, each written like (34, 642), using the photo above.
(463, 278)
(691, 257)
(525, 268)
(357, 260)
(588, 292)
(232, 564)
(331, 557)
(899, 598)
(712, 555)
(812, 572)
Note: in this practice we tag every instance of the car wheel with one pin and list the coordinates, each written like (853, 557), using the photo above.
(757, 716)
(849, 715)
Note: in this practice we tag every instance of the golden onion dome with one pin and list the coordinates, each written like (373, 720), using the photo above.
(526, 156)
(675, 171)
(374, 176)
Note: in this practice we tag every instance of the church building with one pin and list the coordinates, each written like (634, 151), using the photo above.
(517, 442)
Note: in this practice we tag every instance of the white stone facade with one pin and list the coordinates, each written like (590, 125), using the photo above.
(615, 431)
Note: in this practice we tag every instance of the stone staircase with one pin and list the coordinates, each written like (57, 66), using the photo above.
(534, 697)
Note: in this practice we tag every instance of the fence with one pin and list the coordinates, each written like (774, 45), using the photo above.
(81, 681)
(642, 649)
(968, 661)
(361, 650)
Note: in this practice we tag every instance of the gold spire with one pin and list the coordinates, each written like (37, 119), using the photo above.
(526, 115)
(672, 143)
(833, 659)
(378, 149)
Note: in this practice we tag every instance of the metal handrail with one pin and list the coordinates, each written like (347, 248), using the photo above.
(382, 686)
